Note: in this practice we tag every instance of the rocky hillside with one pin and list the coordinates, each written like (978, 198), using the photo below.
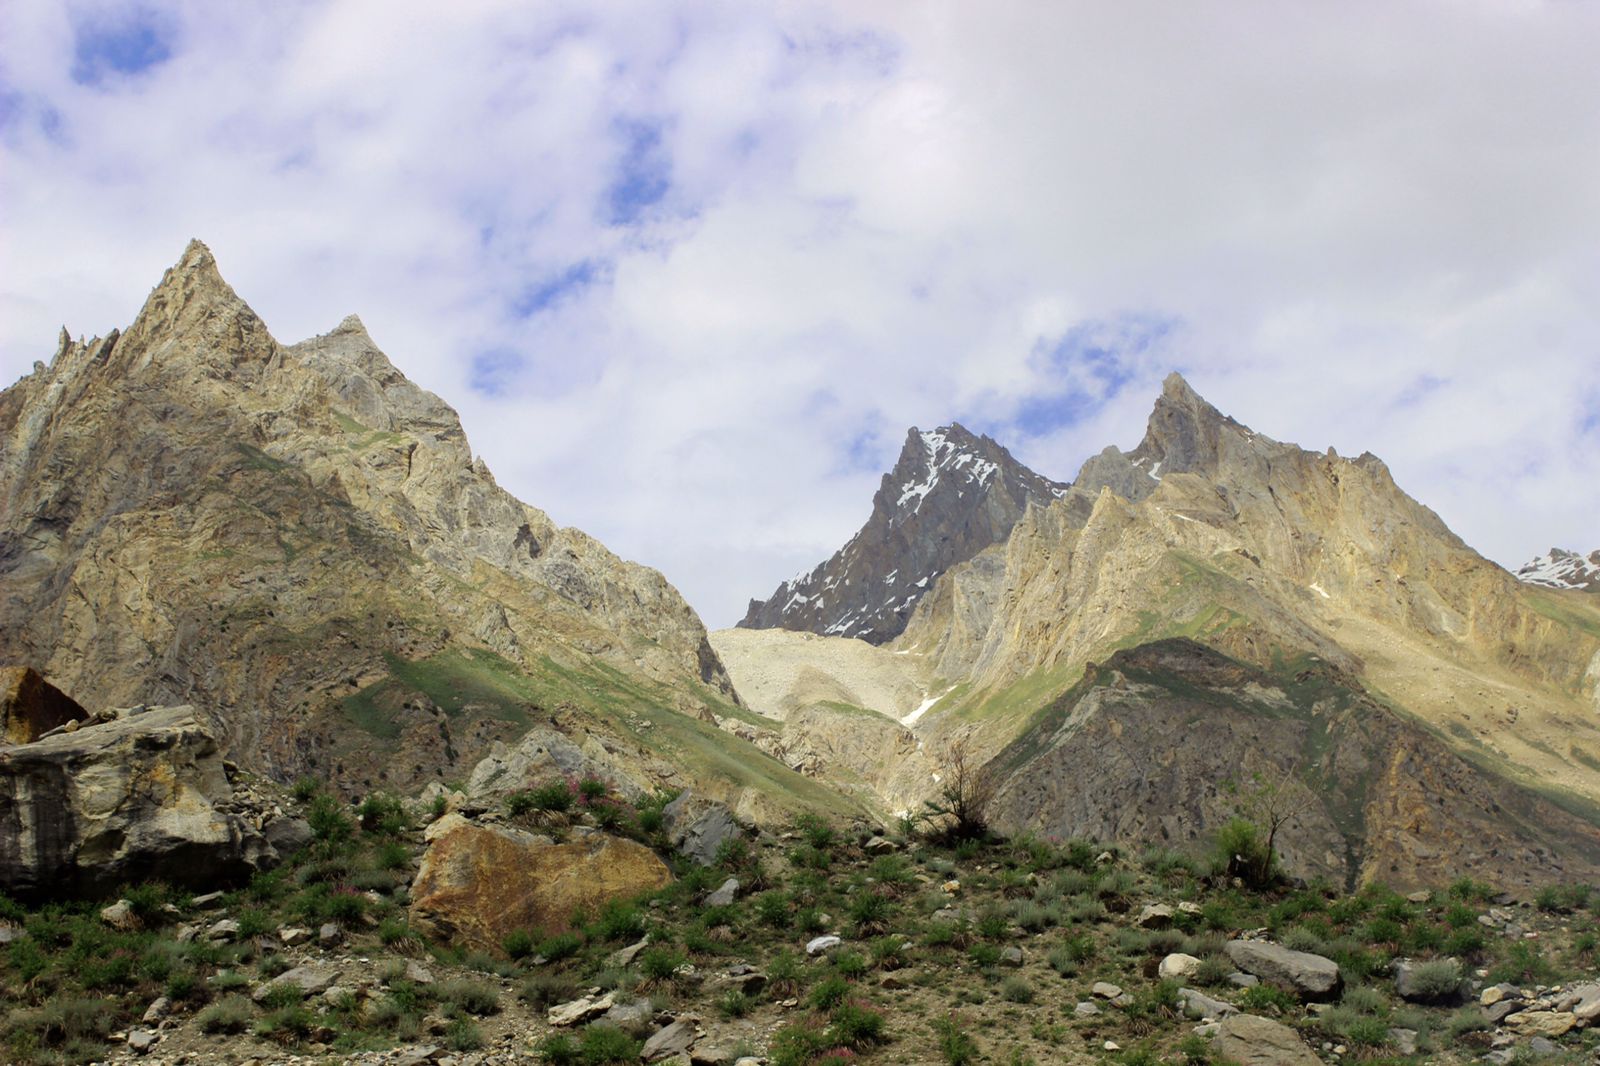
(1560, 569)
(1164, 743)
(950, 495)
(1268, 552)
(298, 541)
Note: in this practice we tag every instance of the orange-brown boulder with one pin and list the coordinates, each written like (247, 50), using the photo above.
(31, 706)
(479, 883)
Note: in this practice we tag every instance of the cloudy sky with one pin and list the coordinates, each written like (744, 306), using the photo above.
(689, 271)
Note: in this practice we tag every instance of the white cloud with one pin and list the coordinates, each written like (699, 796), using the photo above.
(1372, 227)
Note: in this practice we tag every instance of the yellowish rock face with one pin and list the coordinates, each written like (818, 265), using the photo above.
(476, 885)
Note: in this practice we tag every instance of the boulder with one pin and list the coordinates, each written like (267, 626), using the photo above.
(580, 1010)
(30, 706)
(1542, 1022)
(140, 797)
(1177, 966)
(822, 945)
(309, 980)
(542, 754)
(1252, 1041)
(698, 829)
(1310, 976)
(1154, 916)
(636, 1017)
(724, 895)
(675, 1039)
(476, 884)
(1198, 1005)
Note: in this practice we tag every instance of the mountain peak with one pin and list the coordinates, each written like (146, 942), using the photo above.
(950, 494)
(1562, 569)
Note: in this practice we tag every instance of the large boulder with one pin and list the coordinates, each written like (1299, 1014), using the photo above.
(1253, 1041)
(143, 796)
(1310, 976)
(698, 828)
(30, 706)
(478, 883)
(542, 754)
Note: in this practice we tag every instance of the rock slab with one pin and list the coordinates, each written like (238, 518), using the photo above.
(1311, 976)
(476, 884)
(1253, 1041)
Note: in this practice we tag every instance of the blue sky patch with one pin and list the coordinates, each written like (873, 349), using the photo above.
(643, 173)
(495, 370)
(543, 295)
(126, 45)
(1089, 365)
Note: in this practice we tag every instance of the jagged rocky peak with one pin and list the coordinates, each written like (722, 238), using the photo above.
(290, 537)
(1561, 569)
(951, 494)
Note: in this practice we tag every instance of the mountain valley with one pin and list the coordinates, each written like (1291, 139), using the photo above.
(290, 684)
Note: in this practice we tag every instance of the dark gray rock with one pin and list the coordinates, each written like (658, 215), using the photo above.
(698, 828)
(950, 495)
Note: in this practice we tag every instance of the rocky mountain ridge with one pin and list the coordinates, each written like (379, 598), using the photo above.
(298, 541)
(1267, 551)
(950, 494)
(1560, 569)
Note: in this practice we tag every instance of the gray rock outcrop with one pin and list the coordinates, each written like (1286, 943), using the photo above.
(143, 796)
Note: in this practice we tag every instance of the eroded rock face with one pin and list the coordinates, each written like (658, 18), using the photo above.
(477, 883)
(192, 511)
(1140, 748)
(145, 796)
(30, 706)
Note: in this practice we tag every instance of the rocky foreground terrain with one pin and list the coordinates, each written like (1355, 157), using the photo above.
(565, 925)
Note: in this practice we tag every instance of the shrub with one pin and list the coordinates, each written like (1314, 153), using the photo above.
(956, 1045)
(1266, 997)
(618, 921)
(829, 993)
(856, 1026)
(1017, 989)
(658, 962)
(546, 990)
(561, 946)
(462, 1034)
(554, 796)
(606, 1044)
(733, 1004)
(1436, 981)
(286, 1024)
(518, 944)
(327, 820)
(383, 814)
(474, 997)
(817, 833)
(231, 1014)
(1241, 851)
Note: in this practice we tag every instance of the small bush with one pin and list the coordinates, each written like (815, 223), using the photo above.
(1017, 989)
(383, 815)
(462, 1034)
(829, 993)
(1241, 851)
(1267, 997)
(231, 1014)
(561, 946)
(857, 1026)
(606, 1044)
(518, 944)
(956, 1045)
(1437, 981)
(474, 997)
